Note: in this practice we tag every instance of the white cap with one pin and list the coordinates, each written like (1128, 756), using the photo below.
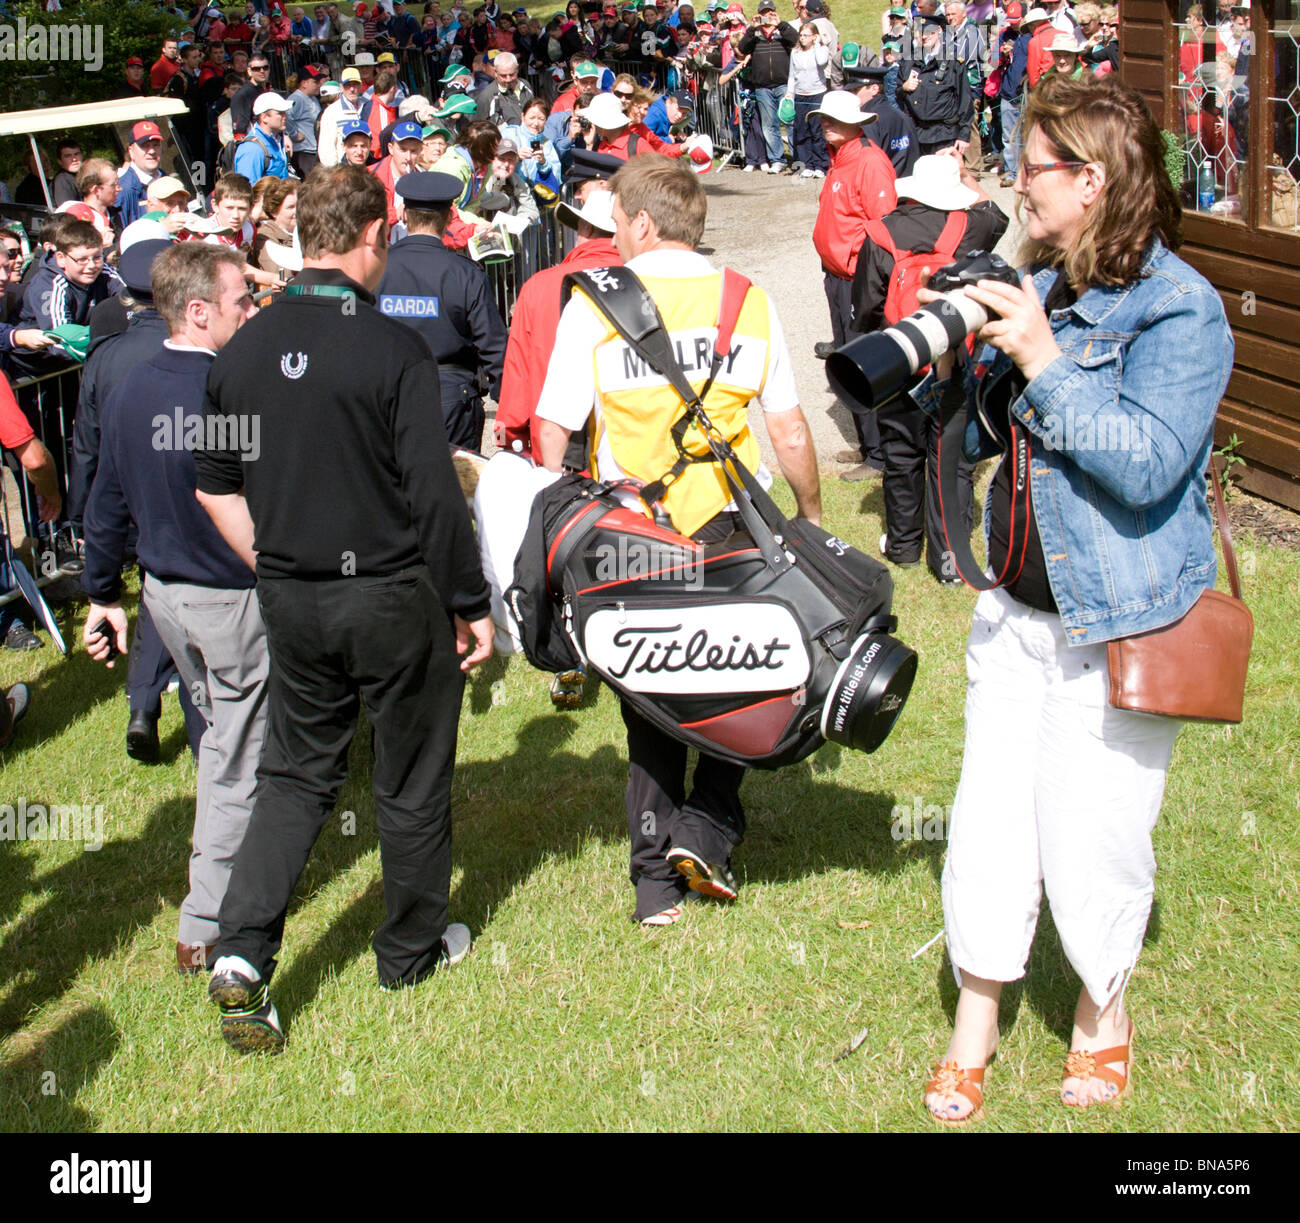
(1064, 42)
(936, 180)
(364, 60)
(1034, 14)
(143, 230)
(842, 105)
(269, 101)
(287, 257)
(604, 111)
(598, 211)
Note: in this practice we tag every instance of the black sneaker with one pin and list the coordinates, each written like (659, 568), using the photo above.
(249, 1023)
(708, 879)
(21, 638)
(823, 349)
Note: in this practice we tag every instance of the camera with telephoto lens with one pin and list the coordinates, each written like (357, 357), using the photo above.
(871, 369)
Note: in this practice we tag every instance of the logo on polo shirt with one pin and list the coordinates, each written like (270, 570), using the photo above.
(293, 365)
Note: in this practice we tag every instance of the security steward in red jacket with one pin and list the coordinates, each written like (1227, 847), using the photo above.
(537, 311)
(859, 187)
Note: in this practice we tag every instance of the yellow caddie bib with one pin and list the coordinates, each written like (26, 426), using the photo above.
(638, 408)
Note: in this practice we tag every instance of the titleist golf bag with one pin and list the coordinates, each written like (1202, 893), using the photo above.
(754, 649)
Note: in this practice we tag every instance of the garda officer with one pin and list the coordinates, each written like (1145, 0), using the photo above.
(935, 93)
(892, 131)
(448, 300)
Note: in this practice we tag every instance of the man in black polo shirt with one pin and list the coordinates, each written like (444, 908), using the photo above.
(370, 585)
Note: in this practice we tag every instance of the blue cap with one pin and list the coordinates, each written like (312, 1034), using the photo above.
(408, 129)
(354, 127)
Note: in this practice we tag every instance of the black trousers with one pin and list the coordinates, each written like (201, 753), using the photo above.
(463, 413)
(839, 297)
(150, 669)
(388, 642)
(660, 815)
(910, 439)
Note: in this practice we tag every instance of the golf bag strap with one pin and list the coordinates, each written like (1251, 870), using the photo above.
(620, 297)
(952, 428)
(734, 288)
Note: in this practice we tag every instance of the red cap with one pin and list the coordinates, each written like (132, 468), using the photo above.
(313, 70)
(1014, 13)
(135, 62)
(145, 131)
(83, 212)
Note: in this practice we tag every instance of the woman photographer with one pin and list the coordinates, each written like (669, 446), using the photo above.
(1110, 357)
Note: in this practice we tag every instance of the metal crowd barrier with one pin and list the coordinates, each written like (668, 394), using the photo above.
(49, 402)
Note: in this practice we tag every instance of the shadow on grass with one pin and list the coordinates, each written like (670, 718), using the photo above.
(38, 1087)
(92, 903)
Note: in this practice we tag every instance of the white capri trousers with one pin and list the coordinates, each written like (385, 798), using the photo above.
(1058, 789)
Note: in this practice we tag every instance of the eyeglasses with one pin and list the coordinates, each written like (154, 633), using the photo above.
(259, 67)
(1032, 169)
(620, 93)
(85, 261)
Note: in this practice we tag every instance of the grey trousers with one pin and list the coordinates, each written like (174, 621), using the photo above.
(218, 642)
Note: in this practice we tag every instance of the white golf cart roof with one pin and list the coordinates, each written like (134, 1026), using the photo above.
(88, 114)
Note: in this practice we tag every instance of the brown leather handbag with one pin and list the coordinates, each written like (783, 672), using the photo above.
(1195, 668)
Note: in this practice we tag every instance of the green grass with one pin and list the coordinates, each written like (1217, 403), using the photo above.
(566, 1016)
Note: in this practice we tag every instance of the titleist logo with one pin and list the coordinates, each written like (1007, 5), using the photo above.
(652, 650)
(708, 648)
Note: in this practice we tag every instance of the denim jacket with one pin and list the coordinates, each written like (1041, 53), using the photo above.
(1120, 429)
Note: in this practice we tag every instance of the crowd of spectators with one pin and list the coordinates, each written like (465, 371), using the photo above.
(503, 102)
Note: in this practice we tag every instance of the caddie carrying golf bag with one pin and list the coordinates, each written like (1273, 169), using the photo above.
(754, 649)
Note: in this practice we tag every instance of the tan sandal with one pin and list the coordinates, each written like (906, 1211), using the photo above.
(951, 1079)
(1094, 1064)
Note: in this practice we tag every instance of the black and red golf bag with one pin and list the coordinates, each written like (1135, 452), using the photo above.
(755, 649)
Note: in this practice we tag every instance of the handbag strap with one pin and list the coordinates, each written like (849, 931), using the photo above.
(1225, 532)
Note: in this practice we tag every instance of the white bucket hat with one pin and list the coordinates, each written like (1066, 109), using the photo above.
(936, 180)
(598, 212)
(842, 105)
(1034, 14)
(1064, 42)
(604, 111)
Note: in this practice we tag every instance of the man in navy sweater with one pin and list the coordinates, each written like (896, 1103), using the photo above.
(200, 592)
(111, 357)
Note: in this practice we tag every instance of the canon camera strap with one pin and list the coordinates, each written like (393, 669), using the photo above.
(952, 429)
(623, 301)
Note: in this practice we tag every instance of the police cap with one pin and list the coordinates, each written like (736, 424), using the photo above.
(587, 165)
(427, 189)
(135, 266)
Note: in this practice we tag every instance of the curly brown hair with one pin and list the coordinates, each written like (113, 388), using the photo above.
(1100, 120)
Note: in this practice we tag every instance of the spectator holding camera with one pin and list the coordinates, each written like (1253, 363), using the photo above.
(1058, 787)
